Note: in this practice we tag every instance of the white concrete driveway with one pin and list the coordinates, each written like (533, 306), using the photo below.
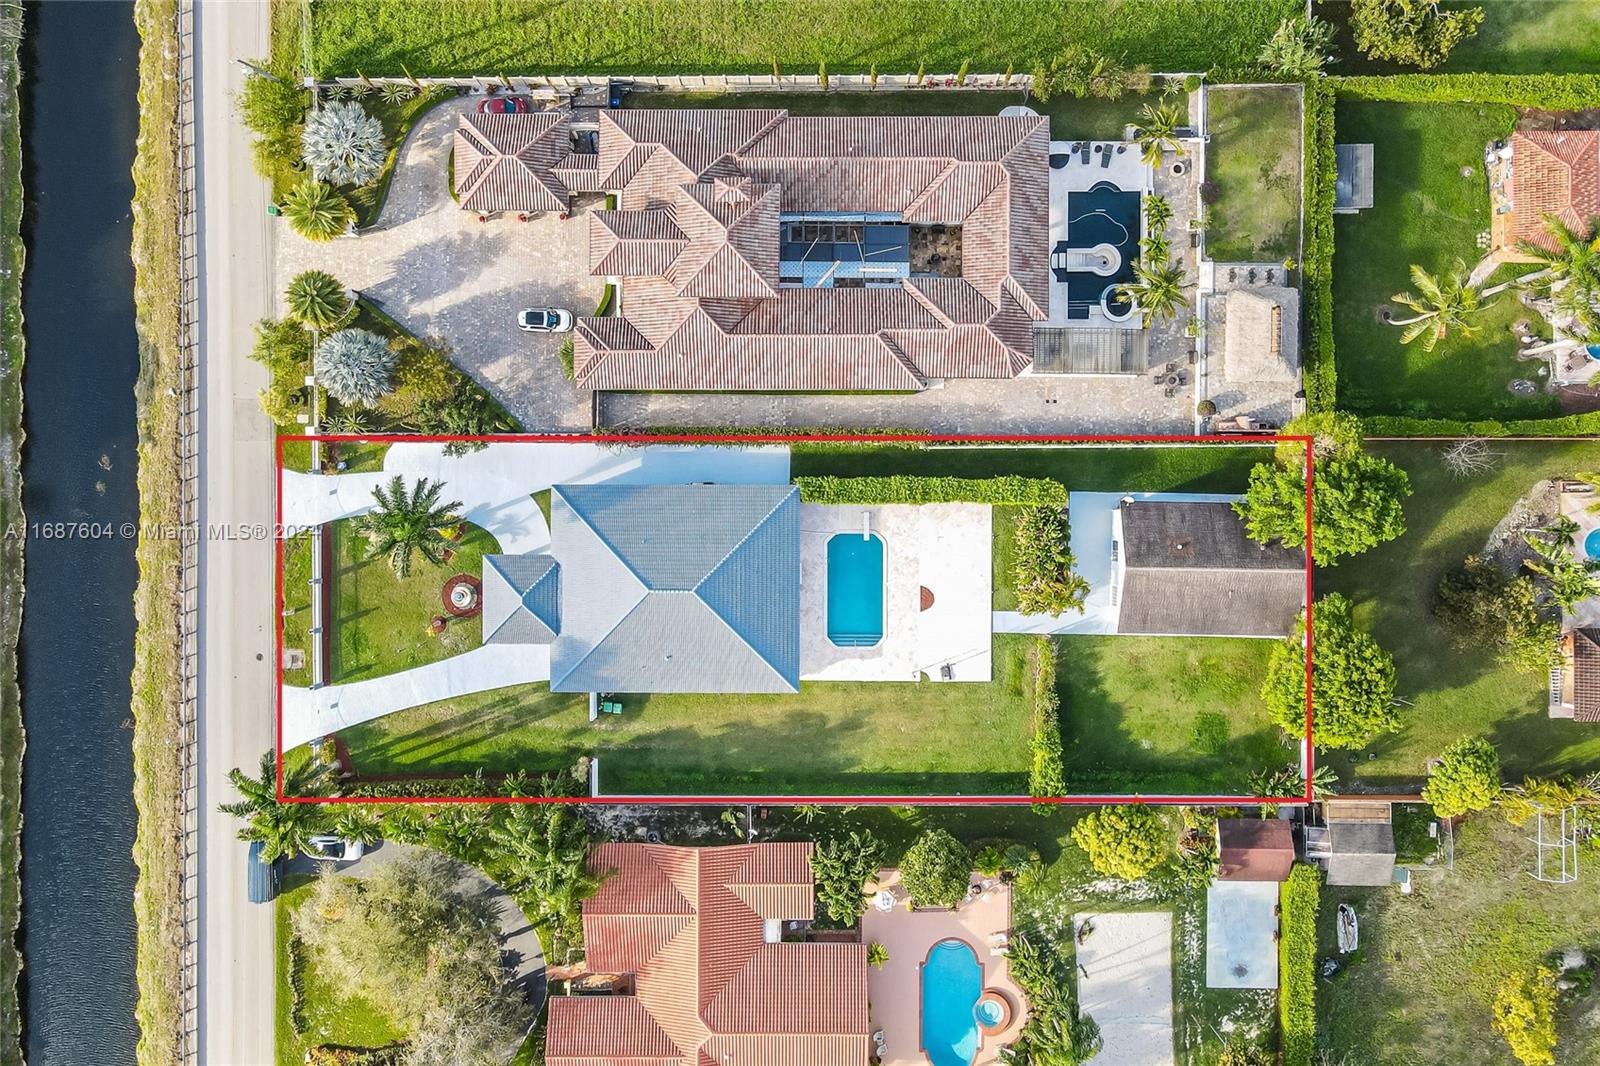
(440, 272)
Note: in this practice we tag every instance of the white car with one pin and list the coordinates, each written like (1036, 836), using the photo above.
(545, 320)
(336, 848)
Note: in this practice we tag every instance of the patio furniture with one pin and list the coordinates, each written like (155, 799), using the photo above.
(1171, 391)
(1105, 160)
(610, 707)
(884, 901)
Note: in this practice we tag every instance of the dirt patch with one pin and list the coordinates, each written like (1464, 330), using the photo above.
(1383, 314)
(1534, 119)
(1578, 399)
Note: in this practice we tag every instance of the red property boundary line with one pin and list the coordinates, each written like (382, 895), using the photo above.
(788, 438)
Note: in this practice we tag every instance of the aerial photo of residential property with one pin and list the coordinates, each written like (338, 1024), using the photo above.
(800, 533)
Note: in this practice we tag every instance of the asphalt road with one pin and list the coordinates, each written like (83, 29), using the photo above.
(236, 575)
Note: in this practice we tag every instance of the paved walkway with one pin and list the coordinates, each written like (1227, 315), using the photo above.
(1125, 985)
(441, 272)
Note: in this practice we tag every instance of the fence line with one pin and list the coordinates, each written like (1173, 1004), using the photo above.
(189, 546)
(808, 82)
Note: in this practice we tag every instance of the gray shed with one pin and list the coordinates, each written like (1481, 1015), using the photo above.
(1352, 188)
(1356, 845)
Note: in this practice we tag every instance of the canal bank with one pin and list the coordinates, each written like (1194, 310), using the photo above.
(79, 469)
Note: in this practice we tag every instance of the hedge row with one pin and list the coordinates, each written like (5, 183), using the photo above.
(1046, 775)
(1297, 963)
(1583, 425)
(1316, 267)
(1006, 490)
(1554, 92)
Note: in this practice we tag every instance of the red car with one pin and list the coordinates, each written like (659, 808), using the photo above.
(504, 105)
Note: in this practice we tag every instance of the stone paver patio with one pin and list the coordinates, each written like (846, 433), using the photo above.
(440, 272)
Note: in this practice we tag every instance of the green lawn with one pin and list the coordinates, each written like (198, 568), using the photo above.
(435, 37)
(1517, 37)
(1419, 989)
(1253, 162)
(1454, 692)
(380, 622)
(297, 605)
(1424, 211)
(1130, 705)
(329, 1016)
(359, 457)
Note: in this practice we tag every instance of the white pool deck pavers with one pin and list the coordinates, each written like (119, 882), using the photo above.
(943, 547)
(1089, 514)
(1242, 934)
(1125, 985)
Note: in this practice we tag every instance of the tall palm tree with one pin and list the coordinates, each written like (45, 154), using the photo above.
(1576, 257)
(1157, 131)
(1156, 290)
(316, 300)
(1157, 213)
(1442, 306)
(405, 523)
(317, 211)
(284, 829)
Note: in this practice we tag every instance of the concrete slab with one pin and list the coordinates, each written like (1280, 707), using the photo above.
(1241, 934)
(1125, 985)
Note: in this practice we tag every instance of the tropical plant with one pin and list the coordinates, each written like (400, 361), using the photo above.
(407, 522)
(1299, 48)
(356, 366)
(272, 108)
(1352, 687)
(1549, 794)
(1126, 841)
(1081, 72)
(841, 867)
(1524, 1012)
(423, 378)
(1157, 213)
(396, 92)
(316, 300)
(1570, 580)
(1157, 289)
(317, 211)
(350, 422)
(1157, 131)
(541, 855)
(1041, 569)
(1055, 1033)
(1415, 32)
(1443, 306)
(283, 828)
(284, 348)
(1575, 257)
(1466, 778)
(343, 144)
(877, 955)
(1483, 608)
(468, 412)
(357, 824)
(936, 870)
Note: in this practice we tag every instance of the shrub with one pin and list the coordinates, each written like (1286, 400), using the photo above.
(1352, 694)
(841, 868)
(317, 211)
(565, 355)
(423, 377)
(285, 350)
(1041, 570)
(1298, 49)
(356, 366)
(1414, 32)
(316, 299)
(1055, 1033)
(936, 870)
(273, 111)
(1299, 899)
(1046, 775)
(1081, 72)
(1524, 1012)
(1192, 83)
(1483, 608)
(1553, 92)
(1316, 267)
(1206, 408)
(1584, 425)
(1466, 779)
(1126, 842)
(877, 955)
(1002, 491)
(343, 144)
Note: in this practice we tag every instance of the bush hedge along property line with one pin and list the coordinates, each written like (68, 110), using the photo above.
(1046, 776)
(1552, 92)
(1316, 267)
(1297, 964)
(1584, 425)
(1006, 490)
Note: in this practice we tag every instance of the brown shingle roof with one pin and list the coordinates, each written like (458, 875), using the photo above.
(1254, 849)
(688, 925)
(1586, 675)
(1554, 172)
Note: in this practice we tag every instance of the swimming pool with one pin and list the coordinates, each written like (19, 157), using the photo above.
(1106, 215)
(952, 981)
(1591, 544)
(855, 590)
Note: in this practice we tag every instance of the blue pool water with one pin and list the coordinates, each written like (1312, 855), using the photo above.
(1103, 215)
(1593, 350)
(1591, 544)
(855, 590)
(952, 981)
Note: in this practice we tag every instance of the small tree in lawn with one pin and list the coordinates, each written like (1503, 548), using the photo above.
(356, 366)
(1125, 842)
(1482, 608)
(1417, 33)
(1299, 48)
(283, 829)
(936, 870)
(1466, 779)
(1352, 681)
(317, 211)
(316, 300)
(343, 144)
(407, 522)
(1524, 1012)
(841, 868)
(1442, 306)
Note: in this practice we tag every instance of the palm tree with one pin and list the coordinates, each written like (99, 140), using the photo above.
(359, 825)
(405, 523)
(316, 300)
(1441, 306)
(1157, 132)
(317, 211)
(1157, 213)
(1156, 290)
(284, 829)
(356, 366)
(1575, 258)
(343, 144)
(1571, 580)
(543, 858)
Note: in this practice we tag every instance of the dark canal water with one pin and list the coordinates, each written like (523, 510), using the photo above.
(80, 120)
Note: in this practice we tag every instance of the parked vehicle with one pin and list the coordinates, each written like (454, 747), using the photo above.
(545, 320)
(262, 879)
(338, 849)
(504, 105)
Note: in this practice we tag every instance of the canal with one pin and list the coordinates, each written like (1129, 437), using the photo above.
(80, 122)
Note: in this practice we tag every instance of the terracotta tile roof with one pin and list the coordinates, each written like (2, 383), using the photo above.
(1586, 675)
(509, 162)
(1254, 849)
(1554, 172)
(688, 925)
(723, 322)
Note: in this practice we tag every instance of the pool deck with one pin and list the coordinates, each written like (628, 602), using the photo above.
(1127, 172)
(894, 992)
(943, 547)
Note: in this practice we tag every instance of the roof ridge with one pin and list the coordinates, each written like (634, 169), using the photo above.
(717, 568)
